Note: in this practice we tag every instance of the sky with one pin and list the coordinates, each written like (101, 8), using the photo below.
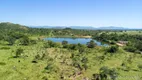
(96, 13)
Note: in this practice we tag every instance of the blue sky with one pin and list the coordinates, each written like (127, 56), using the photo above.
(97, 13)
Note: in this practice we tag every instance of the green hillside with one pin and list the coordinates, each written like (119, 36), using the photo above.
(8, 25)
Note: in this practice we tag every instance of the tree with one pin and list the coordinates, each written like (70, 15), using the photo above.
(140, 66)
(138, 45)
(33, 41)
(19, 51)
(112, 49)
(1, 37)
(105, 72)
(130, 48)
(73, 46)
(91, 44)
(51, 43)
(10, 40)
(65, 44)
(46, 45)
(24, 41)
(57, 45)
(81, 49)
(113, 74)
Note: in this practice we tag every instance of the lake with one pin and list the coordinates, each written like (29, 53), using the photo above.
(75, 40)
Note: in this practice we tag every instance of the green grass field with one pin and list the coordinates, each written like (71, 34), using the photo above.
(130, 32)
(22, 68)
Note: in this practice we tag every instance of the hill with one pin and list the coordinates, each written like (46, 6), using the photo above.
(8, 25)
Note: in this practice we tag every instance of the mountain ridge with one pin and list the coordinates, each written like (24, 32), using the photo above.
(82, 27)
(8, 25)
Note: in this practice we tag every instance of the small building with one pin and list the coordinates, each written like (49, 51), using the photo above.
(122, 43)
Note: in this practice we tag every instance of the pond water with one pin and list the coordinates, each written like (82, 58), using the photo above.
(75, 40)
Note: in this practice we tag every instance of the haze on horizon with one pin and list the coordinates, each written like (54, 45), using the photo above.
(96, 13)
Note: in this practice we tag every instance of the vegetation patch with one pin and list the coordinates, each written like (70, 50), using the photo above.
(2, 63)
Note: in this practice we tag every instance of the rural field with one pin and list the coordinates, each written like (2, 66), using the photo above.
(26, 54)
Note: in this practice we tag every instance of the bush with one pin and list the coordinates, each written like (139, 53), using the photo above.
(112, 49)
(46, 45)
(56, 45)
(112, 42)
(51, 68)
(10, 40)
(19, 51)
(130, 49)
(51, 44)
(64, 42)
(24, 41)
(1, 37)
(73, 46)
(105, 71)
(2, 63)
(138, 45)
(33, 41)
(66, 46)
(140, 66)
(91, 44)
(81, 49)
(5, 48)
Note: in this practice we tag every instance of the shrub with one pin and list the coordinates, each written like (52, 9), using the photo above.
(81, 49)
(85, 66)
(46, 45)
(91, 44)
(112, 42)
(105, 71)
(2, 63)
(10, 40)
(56, 45)
(140, 66)
(138, 45)
(113, 74)
(64, 42)
(73, 46)
(19, 51)
(112, 49)
(5, 48)
(33, 41)
(51, 43)
(1, 37)
(130, 49)
(51, 68)
(24, 41)
(34, 61)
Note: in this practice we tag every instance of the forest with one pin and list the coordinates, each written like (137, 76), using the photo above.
(25, 55)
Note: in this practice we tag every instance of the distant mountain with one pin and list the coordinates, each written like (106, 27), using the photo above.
(63, 27)
(82, 27)
(8, 25)
(54, 27)
(112, 28)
